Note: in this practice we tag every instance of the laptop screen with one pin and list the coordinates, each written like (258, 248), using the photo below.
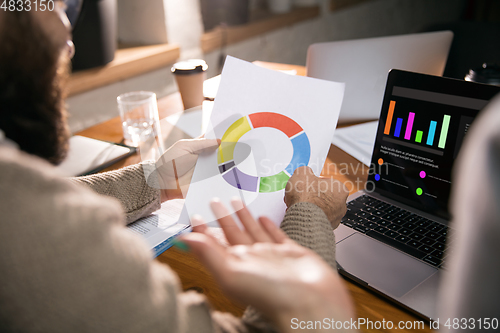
(422, 125)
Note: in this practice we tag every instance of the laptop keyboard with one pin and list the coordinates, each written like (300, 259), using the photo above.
(410, 233)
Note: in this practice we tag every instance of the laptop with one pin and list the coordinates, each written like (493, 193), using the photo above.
(393, 238)
(363, 65)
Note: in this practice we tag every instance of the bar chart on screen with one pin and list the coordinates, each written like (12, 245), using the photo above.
(401, 129)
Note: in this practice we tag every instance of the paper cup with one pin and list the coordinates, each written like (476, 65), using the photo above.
(189, 76)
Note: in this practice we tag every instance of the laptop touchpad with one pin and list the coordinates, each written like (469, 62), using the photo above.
(381, 266)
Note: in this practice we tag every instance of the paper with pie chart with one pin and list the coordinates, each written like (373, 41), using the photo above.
(263, 184)
(269, 124)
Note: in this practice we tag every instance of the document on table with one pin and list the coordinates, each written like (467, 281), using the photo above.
(160, 228)
(357, 140)
(269, 123)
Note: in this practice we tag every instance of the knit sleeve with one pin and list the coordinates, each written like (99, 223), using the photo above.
(308, 225)
(129, 186)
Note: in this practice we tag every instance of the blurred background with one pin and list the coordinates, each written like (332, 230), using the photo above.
(126, 45)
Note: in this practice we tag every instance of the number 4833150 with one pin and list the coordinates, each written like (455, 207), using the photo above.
(472, 323)
(27, 5)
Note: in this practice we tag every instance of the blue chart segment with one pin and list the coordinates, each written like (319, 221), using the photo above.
(235, 177)
(397, 131)
(432, 131)
(301, 153)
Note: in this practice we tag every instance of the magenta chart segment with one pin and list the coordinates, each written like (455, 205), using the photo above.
(237, 178)
(409, 125)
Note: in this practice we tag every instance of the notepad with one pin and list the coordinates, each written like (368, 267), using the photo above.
(160, 228)
(87, 156)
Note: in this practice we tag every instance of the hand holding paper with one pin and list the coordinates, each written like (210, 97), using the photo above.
(176, 166)
(327, 193)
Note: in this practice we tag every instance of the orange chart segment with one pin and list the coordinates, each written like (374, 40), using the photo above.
(231, 137)
(275, 120)
(388, 122)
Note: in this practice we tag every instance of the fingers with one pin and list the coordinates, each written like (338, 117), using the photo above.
(198, 224)
(234, 235)
(254, 229)
(211, 254)
(254, 232)
(277, 235)
(198, 146)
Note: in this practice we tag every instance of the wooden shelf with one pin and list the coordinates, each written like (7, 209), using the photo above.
(128, 62)
(215, 38)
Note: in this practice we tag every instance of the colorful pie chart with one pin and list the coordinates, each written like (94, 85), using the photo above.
(237, 178)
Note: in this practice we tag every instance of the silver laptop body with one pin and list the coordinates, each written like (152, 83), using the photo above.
(363, 65)
(408, 189)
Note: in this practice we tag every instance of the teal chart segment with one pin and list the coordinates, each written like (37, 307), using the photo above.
(235, 177)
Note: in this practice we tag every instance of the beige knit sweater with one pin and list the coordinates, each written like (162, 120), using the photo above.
(68, 264)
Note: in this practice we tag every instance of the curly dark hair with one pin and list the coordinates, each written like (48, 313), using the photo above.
(32, 78)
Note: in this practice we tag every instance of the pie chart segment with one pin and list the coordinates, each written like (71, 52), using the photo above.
(275, 120)
(301, 153)
(230, 137)
(241, 180)
(273, 183)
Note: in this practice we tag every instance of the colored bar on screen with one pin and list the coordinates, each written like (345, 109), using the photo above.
(418, 137)
(388, 122)
(444, 131)
(432, 131)
(409, 125)
(397, 131)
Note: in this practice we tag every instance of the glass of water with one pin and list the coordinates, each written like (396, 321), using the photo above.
(139, 114)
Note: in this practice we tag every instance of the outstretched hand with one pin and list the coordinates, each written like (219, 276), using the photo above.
(266, 269)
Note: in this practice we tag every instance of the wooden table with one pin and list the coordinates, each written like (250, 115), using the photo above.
(339, 165)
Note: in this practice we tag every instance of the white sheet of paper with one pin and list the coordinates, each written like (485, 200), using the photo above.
(188, 121)
(285, 120)
(193, 122)
(357, 140)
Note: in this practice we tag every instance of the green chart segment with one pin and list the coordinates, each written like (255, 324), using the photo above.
(277, 182)
(418, 137)
(444, 131)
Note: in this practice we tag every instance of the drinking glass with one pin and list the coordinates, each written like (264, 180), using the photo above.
(139, 114)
